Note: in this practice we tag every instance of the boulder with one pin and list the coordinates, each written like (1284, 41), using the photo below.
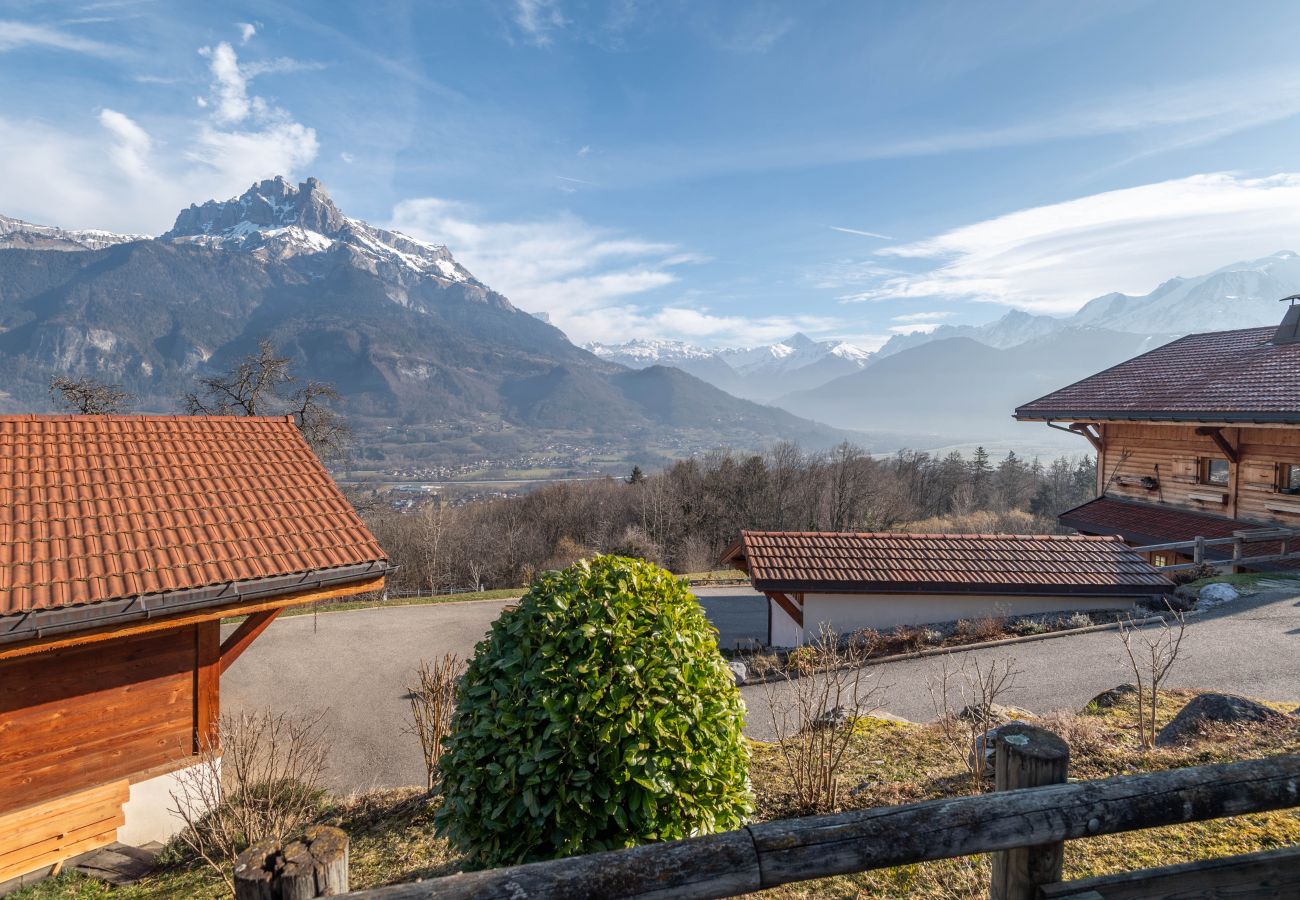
(1213, 709)
(831, 718)
(739, 670)
(985, 745)
(1214, 594)
(997, 713)
(1113, 697)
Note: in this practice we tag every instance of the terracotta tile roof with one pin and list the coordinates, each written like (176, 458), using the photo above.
(938, 563)
(96, 508)
(1223, 376)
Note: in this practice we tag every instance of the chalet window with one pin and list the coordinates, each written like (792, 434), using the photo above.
(1214, 471)
(1288, 478)
(1159, 559)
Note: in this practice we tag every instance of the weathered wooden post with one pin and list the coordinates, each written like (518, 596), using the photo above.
(316, 866)
(1026, 756)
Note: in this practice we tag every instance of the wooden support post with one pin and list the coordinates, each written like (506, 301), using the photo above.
(1198, 550)
(243, 636)
(316, 866)
(1026, 757)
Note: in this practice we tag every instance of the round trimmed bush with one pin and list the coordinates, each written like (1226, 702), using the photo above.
(596, 714)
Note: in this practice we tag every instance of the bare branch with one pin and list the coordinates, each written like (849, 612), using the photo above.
(89, 397)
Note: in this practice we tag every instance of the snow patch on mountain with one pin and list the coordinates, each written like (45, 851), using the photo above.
(17, 234)
(275, 220)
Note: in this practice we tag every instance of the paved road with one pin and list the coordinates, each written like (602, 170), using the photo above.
(353, 666)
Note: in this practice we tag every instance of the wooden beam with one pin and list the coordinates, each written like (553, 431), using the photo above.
(243, 636)
(783, 851)
(207, 685)
(1216, 434)
(183, 620)
(1085, 429)
(1273, 873)
(790, 607)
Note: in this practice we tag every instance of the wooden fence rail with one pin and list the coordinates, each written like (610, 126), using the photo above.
(780, 852)
(1197, 546)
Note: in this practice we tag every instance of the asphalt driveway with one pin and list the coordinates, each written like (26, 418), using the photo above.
(353, 667)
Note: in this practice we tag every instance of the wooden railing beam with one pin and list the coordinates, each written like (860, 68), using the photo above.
(785, 851)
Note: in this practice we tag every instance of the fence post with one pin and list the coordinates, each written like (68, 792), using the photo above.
(316, 866)
(1026, 756)
(1198, 553)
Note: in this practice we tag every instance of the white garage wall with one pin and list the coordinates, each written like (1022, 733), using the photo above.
(851, 612)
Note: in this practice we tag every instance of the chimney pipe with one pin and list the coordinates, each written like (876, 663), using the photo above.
(1289, 331)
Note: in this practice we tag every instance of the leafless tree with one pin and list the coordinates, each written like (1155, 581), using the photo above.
(965, 702)
(260, 780)
(433, 700)
(813, 707)
(1151, 655)
(89, 396)
(262, 384)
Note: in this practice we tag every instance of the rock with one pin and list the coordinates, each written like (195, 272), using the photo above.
(997, 712)
(1113, 697)
(1214, 594)
(739, 670)
(831, 718)
(1210, 709)
(987, 745)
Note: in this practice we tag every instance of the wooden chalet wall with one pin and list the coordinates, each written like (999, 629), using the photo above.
(1171, 455)
(76, 717)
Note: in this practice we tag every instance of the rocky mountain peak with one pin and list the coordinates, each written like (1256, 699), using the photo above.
(270, 204)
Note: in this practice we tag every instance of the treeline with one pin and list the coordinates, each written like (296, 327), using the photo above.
(686, 515)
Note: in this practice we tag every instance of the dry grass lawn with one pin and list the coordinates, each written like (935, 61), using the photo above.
(393, 841)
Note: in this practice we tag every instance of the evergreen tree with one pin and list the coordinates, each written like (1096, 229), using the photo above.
(637, 476)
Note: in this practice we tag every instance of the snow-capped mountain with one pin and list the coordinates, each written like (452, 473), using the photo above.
(756, 372)
(275, 220)
(16, 234)
(1239, 295)
(428, 361)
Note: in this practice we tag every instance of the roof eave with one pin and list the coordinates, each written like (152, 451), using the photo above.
(37, 624)
(1199, 418)
(913, 587)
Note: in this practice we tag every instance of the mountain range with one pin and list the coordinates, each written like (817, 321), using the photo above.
(759, 373)
(431, 363)
(960, 382)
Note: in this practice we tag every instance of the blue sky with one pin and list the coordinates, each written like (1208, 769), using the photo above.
(724, 173)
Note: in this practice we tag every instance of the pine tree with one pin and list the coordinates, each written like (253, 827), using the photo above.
(637, 476)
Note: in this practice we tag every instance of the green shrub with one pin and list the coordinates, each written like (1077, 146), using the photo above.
(596, 714)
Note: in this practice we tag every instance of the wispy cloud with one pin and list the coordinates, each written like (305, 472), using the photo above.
(933, 316)
(82, 177)
(539, 19)
(870, 234)
(756, 30)
(17, 35)
(592, 282)
(246, 31)
(1053, 258)
(914, 328)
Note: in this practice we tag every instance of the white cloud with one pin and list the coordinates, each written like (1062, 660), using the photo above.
(1054, 258)
(130, 152)
(246, 31)
(590, 281)
(538, 19)
(16, 35)
(79, 177)
(229, 85)
(914, 328)
(584, 149)
(346, 157)
(922, 316)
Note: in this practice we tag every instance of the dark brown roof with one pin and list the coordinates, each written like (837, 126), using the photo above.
(100, 508)
(1222, 376)
(838, 562)
(1149, 523)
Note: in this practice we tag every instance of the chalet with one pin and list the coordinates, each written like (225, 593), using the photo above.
(124, 541)
(1198, 438)
(852, 581)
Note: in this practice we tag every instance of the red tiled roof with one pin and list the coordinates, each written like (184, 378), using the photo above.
(938, 563)
(1222, 376)
(96, 508)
